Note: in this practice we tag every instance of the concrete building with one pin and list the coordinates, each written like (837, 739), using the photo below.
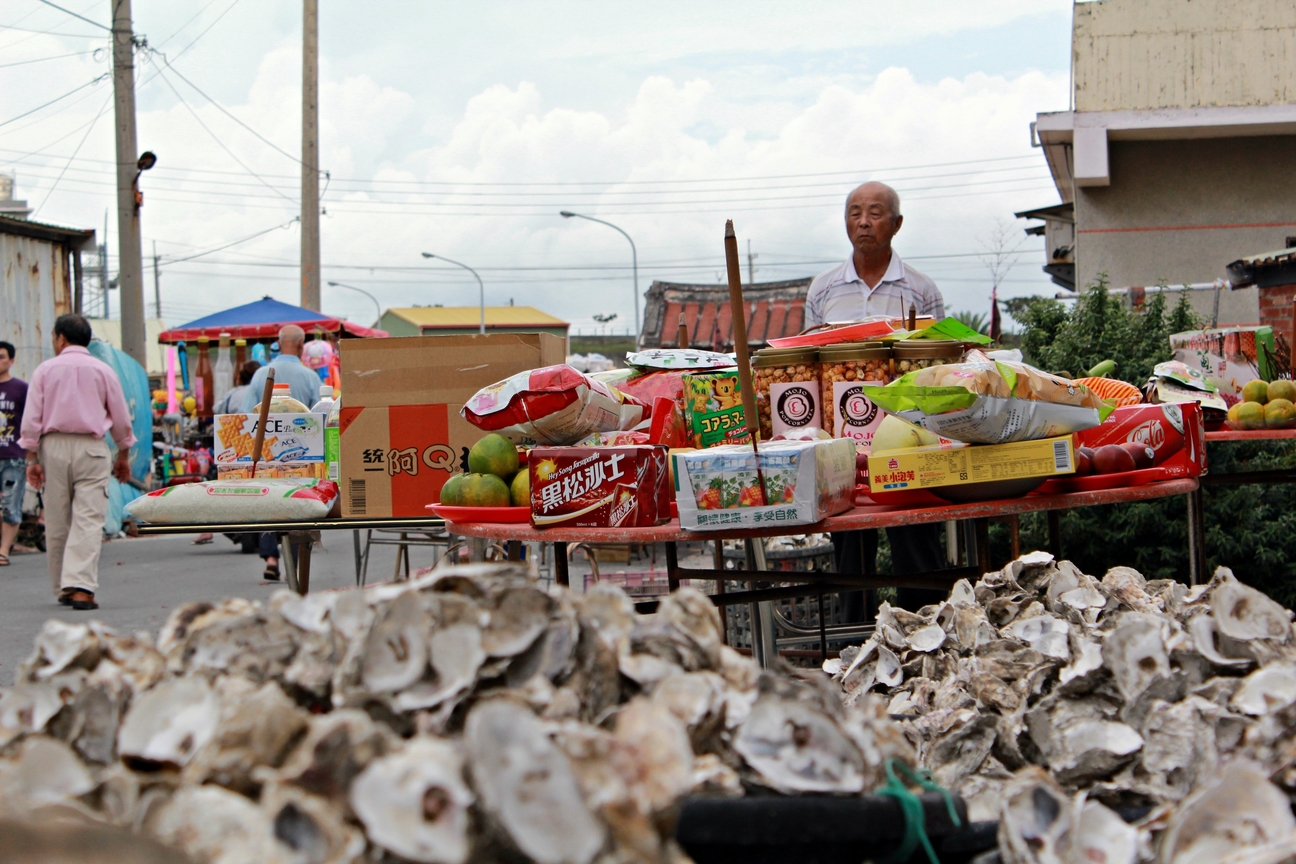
(8, 206)
(456, 320)
(1176, 157)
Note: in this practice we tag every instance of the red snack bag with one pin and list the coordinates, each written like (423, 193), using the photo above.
(599, 487)
(668, 428)
(555, 405)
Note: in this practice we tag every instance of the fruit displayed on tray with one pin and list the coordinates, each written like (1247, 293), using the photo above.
(493, 478)
(1265, 405)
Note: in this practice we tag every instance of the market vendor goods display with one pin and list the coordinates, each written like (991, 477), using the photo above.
(1265, 405)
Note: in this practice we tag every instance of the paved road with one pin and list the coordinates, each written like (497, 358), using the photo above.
(142, 579)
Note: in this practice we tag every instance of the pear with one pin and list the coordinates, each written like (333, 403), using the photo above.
(894, 433)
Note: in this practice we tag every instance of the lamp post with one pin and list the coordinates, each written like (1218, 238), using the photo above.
(634, 257)
(480, 286)
(377, 305)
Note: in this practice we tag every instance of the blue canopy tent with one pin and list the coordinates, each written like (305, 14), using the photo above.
(262, 320)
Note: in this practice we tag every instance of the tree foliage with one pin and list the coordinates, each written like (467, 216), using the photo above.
(1099, 327)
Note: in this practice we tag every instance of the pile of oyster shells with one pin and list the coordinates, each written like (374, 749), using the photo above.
(466, 714)
(1052, 701)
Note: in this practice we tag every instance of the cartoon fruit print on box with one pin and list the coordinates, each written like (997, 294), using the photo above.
(730, 483)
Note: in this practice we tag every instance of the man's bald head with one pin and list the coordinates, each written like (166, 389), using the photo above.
(873, 190)
(872, 219)
(291, 340)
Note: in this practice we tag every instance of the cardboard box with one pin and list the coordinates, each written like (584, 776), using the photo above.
(1175, 431)
(938, 465)
(599, 487)
(805, 481)
(713, 408)
(288, 438)
(1228, 357)
(400, 433)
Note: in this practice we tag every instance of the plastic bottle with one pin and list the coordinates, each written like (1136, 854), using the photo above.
(240, 354)
(223, 381)
(282, 402)
(203, 380)
(333, 441)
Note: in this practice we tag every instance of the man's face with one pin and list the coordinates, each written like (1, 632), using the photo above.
(5, 361)
(59, 343)
(870, 224)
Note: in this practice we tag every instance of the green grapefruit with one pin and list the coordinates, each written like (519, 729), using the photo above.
(452, 491)
(521, 489)
(485, 490)
(493, 454)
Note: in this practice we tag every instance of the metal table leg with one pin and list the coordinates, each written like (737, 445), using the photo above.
(1196, 538)
(672, 567)
(303, 569)
(1055, 534)
(289, 562)
(560, 564)
(359, 559)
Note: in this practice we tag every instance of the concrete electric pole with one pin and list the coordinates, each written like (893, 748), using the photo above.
(130, 278)
(310, 211)
(157, 289)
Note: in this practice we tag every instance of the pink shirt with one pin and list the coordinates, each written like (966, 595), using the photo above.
(76, 394)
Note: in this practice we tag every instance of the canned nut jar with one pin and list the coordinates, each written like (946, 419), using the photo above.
(911, 354)
(786, 381)
(846, 412)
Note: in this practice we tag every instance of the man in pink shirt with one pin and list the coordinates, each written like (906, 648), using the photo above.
(73, 400)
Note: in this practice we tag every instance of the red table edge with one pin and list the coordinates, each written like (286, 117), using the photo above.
(1250, 435)
(855, 519)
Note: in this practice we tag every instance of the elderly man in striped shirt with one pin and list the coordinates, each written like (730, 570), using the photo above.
(874, 282)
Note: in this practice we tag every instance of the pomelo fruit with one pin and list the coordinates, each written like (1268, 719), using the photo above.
(1248, 415)
(521, 489)
(493, 454)
(484, 490)
(1255, 391)
(452, 491)
(1282, 389)
(1279, 414)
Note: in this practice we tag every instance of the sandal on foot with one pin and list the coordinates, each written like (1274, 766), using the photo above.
(271, 574)
(83, 601)
(65, 597)
(4, 560)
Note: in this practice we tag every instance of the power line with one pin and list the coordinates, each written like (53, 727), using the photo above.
(56, 99)
(167, 81)
(233, 242)
(178, 30)
(43, 59)
(48, 33)
(102, 109)
(75, 15)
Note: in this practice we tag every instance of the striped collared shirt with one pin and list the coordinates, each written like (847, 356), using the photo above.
(841, 295)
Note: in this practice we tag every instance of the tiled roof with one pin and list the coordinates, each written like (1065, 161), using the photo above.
(431, 317)
(774, 309)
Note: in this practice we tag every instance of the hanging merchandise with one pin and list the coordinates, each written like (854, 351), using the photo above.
(183, 355)
(204, 384)
(223, 371)
(172, 403)
(260, 354)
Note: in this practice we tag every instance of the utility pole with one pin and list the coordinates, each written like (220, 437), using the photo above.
(129, 265)
(103, 267)
(157, 289)
(751, 269)
(310, 211)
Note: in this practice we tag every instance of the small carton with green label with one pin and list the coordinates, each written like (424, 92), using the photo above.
(713, 408)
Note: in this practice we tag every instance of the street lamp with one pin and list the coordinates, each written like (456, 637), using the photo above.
(377, 305)
(480, 286)
(634, 257)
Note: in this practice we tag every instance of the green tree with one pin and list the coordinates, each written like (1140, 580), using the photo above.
(978, 321)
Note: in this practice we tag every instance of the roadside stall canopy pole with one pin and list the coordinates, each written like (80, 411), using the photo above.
(262, 320)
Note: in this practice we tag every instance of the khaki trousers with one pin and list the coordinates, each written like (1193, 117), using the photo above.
(77, 468)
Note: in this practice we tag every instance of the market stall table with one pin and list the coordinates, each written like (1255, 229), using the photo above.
(858, 518)
(1196, 517)
(297, 568)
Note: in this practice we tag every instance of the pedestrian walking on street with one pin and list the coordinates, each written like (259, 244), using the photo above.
(73, 400)
(289, 369)
(13, 467)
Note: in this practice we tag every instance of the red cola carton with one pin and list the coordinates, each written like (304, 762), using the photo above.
(599, 487)
(1174, 430)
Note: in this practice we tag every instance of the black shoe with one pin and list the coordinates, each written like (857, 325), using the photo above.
(271, 574)
(83, 601)
(65, 598)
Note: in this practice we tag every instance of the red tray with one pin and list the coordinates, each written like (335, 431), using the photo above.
(853, 333)
(1095, 482)
(511, 515)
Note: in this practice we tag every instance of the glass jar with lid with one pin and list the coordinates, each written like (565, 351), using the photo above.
(912, 354)
(786, 381)
(847, 413)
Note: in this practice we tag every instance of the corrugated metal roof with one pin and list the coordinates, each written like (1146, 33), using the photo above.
(432, 317)
(43, 230)
(774, 310)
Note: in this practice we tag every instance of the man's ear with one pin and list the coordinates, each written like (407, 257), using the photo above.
(899, 220)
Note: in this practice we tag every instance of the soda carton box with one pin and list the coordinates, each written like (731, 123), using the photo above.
(1174, 430)
(599, 487)
(713, 408)
(288, 438)
(805, 481)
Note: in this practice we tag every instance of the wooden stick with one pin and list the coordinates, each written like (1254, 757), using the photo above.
(738, 312)
(913, 317)
(259, 440)
(683, 332)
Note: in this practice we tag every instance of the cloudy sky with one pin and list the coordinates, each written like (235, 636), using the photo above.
(463, 128)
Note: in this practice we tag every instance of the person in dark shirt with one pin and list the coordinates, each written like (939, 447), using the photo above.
(13, 460)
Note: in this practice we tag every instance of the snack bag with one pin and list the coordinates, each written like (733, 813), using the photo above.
(258, 500)
(984, 401)
(713, 409)
(554, 405)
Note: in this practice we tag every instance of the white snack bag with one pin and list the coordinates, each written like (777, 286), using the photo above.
(287, 500)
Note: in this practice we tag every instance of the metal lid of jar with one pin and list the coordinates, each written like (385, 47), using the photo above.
(928, 349)
(847, 352)
(767, 357)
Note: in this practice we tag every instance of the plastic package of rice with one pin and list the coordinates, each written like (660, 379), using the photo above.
(216, 501)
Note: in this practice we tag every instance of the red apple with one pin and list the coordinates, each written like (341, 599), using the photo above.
(1144, 456)
(1112, 459)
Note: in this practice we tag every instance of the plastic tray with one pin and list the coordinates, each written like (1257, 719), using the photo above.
(1095, 482)
(853, 333)
(511, 515)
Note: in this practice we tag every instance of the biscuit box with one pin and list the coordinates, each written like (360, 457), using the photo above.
(599, 487)
(288, 438)
(1174, 430)
(271, 470)
(713, 408)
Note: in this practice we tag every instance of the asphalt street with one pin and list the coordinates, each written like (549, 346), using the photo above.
(142, 579)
